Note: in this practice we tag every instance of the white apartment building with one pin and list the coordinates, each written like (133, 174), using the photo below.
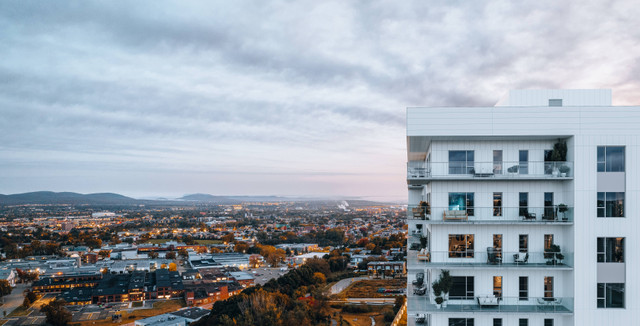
(530, 205)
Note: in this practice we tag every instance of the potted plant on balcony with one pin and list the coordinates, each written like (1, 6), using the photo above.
(563, 208)
(423, 242)
(553, 255)
(446, 282)
(564, 170)
(437, 291)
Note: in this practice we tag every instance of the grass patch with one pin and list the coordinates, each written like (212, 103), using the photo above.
(369, 288)
(136, 304)
(160, 307)
(208, 242)
(19, 312)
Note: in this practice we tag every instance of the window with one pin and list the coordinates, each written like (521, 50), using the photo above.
(497, 162)
(555, 102)
(497, 321)
(461, 245)
(610, 295)
(548, 322)
(524, 162)
(497, 286)
(548, 241)
(497, 204)
(524, 203)
(611, 250)
(524, 243)
(460, 321)
(610, 159)
(462, 288)
(548, 286)
(460, 201)
(523, 322)
(549, 209)
(611, 204)
(461, 162)
(523, 293)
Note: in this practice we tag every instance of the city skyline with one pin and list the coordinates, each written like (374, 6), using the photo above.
(278, 98)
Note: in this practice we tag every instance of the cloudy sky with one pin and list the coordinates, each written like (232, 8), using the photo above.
(267, 97)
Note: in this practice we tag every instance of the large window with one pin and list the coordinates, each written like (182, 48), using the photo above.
(524, 162)
(523, 243)
(461, 245)
(523, 293)
(497, 204)
(497, 321)
(611, 250)
(461, 162)
(497, 286)
(548, 286)
(610, 295)
(460, 321)
(462, 288)
(523, 200)
(523, 322)
(610, 159)
(460, 201)
(611, 204)
(497, 162)
(548, 322)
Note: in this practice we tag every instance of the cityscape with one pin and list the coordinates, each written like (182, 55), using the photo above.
(329, 163)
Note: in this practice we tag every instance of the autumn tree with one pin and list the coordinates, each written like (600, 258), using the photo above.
(170, 255)
(57, 314)
(241, 247)
(183, 253)
(104, 254)
(319, 278)
(152, 254)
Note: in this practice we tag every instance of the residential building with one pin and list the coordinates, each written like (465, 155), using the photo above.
(529, 206)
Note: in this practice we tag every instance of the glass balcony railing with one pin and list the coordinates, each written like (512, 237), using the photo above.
(491, 304)
(548, 214)
(491, 257)
(489, 170)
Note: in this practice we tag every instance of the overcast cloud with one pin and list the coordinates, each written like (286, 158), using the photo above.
(273, 97)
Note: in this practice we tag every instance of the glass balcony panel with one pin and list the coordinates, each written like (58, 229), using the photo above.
(548, 214)
(491, 257)
(490, 170)
(488, 304)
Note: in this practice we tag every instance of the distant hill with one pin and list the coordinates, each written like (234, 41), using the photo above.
(50, 197)
(209, 199)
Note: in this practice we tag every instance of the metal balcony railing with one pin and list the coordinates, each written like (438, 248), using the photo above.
(489, 170)
(548, 214)
(494, 257)
(491, 304)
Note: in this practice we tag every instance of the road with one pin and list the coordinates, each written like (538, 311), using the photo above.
(13, 300)
(343, 284)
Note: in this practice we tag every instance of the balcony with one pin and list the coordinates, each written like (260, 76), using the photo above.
(422, 171)
(546, 305)
(557, 214)
(489, 259)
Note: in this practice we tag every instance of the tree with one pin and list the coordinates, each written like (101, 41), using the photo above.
(183, 253)
(319, 278)
(104, 254)
(241, 247)
(93, 243)
(29, 299)
(152, 254)
(228, 238)
(170, 255)
(202, 250)
(5, 287)
(173, 267)
(57, 314)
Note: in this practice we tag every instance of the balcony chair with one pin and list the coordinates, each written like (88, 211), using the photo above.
(521, 258)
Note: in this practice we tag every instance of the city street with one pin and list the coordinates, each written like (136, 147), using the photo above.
(13, 300)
